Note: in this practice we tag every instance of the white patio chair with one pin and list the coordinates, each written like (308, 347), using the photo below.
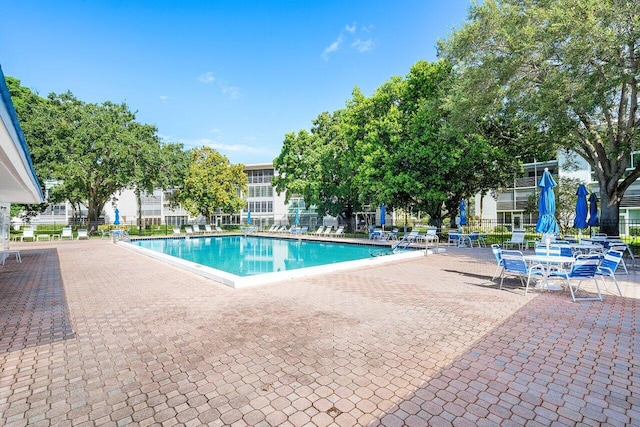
(517, 239)
(621, 247)
(585, 267)
(513, 263)
(454, 238)
(497, 253)
(608, 267)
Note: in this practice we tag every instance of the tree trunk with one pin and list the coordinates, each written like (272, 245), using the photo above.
(93, 212)
(139, 202)
(609, 213)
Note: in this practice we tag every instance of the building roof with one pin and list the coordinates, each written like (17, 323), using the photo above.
(18, 180)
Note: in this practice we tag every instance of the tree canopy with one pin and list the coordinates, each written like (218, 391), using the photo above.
(212, 183)
(570, 69)
(91, 150)
(400, 147)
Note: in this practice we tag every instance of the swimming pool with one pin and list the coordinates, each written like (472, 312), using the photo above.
(240, 261)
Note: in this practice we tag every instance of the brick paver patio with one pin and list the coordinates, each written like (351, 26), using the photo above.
(94, 334)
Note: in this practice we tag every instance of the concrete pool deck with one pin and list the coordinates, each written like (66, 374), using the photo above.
(94, 334)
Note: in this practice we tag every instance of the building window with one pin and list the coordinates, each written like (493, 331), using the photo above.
(260, 207)
(262, 176)
(260, 191)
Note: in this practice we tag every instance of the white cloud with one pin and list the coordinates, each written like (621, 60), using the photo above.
(351, 33)
(222, 147)
(232, 91)
(333, 47)
(363, 45)
(236, 148)
(164, 98)
(367, 28)
(206, 77)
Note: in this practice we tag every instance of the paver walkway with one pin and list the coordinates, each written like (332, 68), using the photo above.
(94, 334)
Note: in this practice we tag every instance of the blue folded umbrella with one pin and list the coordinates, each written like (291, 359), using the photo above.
(593, 211)
(547, 222)
(580, 220)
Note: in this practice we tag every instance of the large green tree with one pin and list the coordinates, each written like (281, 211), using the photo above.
(568, 67)
(212, 183)
(321, 166)
(399, 147)
(415, 155)
(92, 150)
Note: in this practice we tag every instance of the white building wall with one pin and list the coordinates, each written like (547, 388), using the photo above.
(574, 166)
(489, 208)
(127, 207)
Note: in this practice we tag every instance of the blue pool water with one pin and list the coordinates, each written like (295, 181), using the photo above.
(251, 255)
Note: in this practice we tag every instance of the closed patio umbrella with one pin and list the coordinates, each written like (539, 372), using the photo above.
(593, 211)
(116, 221)
(580, 221)
(297, 218)
(463, 212)
(547, 223)
(383, 215)
(248, 217)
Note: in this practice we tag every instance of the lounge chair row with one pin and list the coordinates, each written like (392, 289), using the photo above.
(195, 229)
(29, 233)
(329, 231)
(321, 231)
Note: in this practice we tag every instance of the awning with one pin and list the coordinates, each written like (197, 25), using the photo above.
(18, 180)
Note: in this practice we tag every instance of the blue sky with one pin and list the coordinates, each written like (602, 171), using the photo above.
(233, 75)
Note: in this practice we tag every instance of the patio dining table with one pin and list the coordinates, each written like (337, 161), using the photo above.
(548, 262)
(586, 245)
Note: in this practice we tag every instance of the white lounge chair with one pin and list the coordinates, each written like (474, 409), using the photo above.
(28, 233)
(517, 239)
(219, 230)
(83, 233)
(67, 233)
(327, 230)
(339, 231)
(188, 229)
(207, 229)
(176, 230)
(319, 231)
(430, 236)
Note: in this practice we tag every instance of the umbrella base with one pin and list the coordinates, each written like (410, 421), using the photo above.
(551, 286)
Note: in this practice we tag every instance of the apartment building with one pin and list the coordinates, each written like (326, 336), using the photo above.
(509, 207)
(266, 206)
